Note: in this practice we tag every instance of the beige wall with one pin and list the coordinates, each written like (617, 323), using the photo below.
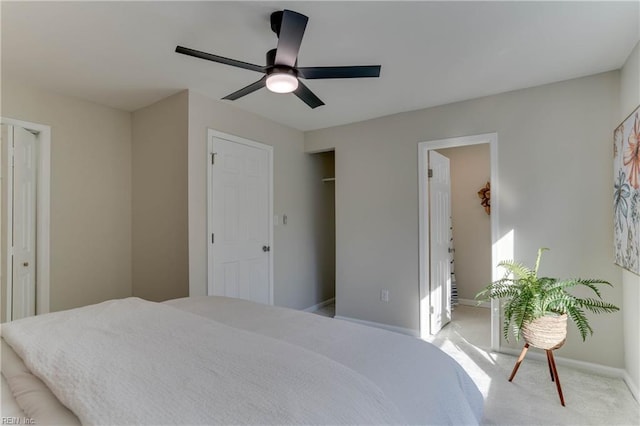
(295, 261)
(548, 137)
(629, 100)
(470, 171)
(90, 193)
(554, 177)
(160, 245)
(130, 189)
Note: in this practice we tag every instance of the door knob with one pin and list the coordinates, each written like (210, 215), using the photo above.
(266, 248)
(25, 264)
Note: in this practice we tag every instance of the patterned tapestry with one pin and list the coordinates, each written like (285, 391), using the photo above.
(626, 192)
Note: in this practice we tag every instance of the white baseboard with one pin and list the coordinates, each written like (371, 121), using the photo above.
(401, 330)
(601, 370)
(474, 303)
(633, 387)
(320, 305)
(590, 367)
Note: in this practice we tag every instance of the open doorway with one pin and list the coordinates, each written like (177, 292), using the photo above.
(469, 237)
(470, 240)
(324, 297)
(427, 294)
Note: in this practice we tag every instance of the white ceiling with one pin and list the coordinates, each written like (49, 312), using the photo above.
(121, 54)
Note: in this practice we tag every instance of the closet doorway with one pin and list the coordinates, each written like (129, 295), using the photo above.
(324, 182)
(473, 234)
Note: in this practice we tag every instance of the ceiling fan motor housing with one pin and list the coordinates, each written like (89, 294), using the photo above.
(282, 70)
(272, 67)
(276, 21)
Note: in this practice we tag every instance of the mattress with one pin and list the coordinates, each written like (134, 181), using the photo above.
(418, 382)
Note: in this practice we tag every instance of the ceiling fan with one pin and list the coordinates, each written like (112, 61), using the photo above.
(282, 75)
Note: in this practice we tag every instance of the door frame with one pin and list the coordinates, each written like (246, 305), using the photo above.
(423, 225)
(43, 219)
(210, 221)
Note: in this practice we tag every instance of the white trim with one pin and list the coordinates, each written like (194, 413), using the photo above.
(237, 139)
(495, 237)
(423, 225)
(8, 248)
(401, 330)
(474, 303)
(320, 305)
(43, 212)
(632, 386)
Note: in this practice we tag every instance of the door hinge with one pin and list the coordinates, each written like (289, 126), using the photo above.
(431, 310)
(213, 238)
(213, 157)
(430, 173)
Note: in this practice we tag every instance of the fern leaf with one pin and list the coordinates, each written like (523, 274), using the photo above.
(590, 283)
(498, 290)
(597, 306)
(519, 270)
(540, 251)
(560, 302)
(522, 311)
(578, 317)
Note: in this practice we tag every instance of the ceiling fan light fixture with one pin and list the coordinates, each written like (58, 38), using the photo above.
(281, 68)
(282, 82)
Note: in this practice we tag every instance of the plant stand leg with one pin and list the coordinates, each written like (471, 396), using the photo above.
(519, 361)
(553, 379)
(554, 371)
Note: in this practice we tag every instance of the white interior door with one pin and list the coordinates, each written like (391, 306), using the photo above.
(240, 205)
(25, 160)
(439, 224)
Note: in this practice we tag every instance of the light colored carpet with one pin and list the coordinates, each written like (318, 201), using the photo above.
(531, 399)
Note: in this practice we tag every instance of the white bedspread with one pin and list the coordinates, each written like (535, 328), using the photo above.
(136, 362)
(426, 384)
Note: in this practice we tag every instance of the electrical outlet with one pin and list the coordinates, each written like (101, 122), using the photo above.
(384, 295)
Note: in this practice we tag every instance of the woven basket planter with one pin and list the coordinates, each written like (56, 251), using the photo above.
(548, 332)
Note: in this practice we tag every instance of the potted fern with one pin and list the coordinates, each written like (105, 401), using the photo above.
(536, 308)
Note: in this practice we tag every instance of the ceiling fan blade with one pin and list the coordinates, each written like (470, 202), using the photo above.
(358, 71)
(307, 96)
(220, 59)
(291, 31)
(246, 90)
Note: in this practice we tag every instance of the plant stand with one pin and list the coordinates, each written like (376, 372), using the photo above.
(548, 332)
(553, 371)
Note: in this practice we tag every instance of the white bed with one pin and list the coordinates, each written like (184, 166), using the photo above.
(216, 360)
